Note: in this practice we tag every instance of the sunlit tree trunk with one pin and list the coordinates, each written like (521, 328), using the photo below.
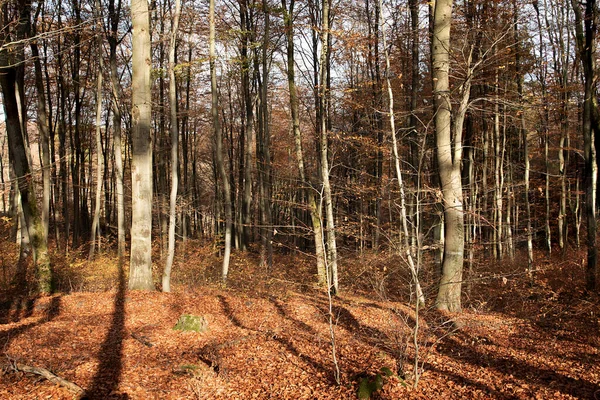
(11, 82)
(403, 216)
(449, 154)
(43, 126)
(114, 12)
(219, 143)
(264, 152)
(327, 197)
(166, 280)
(99, 158)
(295, 112)
(140, 272)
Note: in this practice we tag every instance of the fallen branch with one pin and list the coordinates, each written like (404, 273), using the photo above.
(142, 339)
(70, 386)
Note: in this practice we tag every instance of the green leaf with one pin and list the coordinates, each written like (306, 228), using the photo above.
(386, 371)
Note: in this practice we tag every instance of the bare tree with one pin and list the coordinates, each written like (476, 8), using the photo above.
(140, 273)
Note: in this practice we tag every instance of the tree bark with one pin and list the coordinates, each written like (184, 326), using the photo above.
(449, 154)
(315, 215)
(99, 158)
(585, 29)
(323, 123)
(166, 280)
(404, 218)
(219, 143)
(140, 272)
(114, 17)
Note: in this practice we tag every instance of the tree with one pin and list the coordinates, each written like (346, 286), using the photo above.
(140, 272)
(12, 83)
(586, 30)
(324, 126)
(218, 135)
(166, 281)
(315, 215)
(449, 155)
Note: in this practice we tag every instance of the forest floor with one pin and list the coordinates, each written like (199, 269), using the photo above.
(269, 334)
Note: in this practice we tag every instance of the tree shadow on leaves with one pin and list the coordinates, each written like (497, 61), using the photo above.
(289, 345)
(285, 342)
(462, 380)
(510, 366)
(110, 356)
(51, 310)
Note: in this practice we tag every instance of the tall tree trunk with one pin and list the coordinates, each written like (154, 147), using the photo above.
(524, 139)
(586, 31)
(219, 143)
(99, 158)
(264, 152)
(140, 272)
(11, 60)
(249, 127)
(114, 12)
(315, 215)
(43, 126)
(449, 154)
(323, 123)
(407, 247)
(166, 280)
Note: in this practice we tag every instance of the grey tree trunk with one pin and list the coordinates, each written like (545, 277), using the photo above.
(525, 141)
(99, 158)
(404, 218)
(449, 154)
(43, 126)
(114, 16)
(586, 30)
(11, 78)
(315, 215)
(323, 104)
(140, 270)
(166, 279)
(219, 143)
(264, 152)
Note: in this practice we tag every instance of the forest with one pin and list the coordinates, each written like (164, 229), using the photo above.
(233, 199)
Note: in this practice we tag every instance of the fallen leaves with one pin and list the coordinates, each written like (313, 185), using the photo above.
(263, 345)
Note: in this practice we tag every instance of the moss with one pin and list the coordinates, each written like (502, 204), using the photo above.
(191, 323)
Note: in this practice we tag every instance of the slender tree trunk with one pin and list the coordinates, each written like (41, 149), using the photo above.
(407, 247)
(525, 141)
(249, 127)
(315, 215)
(323, 123)
(43, 125)
(219, 143)
(264, 152)
(99, 158)
(114, 12)
(166, 280)
(586, 30)
(140, 275)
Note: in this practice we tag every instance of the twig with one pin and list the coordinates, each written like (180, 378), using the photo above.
(142, 340)
(70, 386)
